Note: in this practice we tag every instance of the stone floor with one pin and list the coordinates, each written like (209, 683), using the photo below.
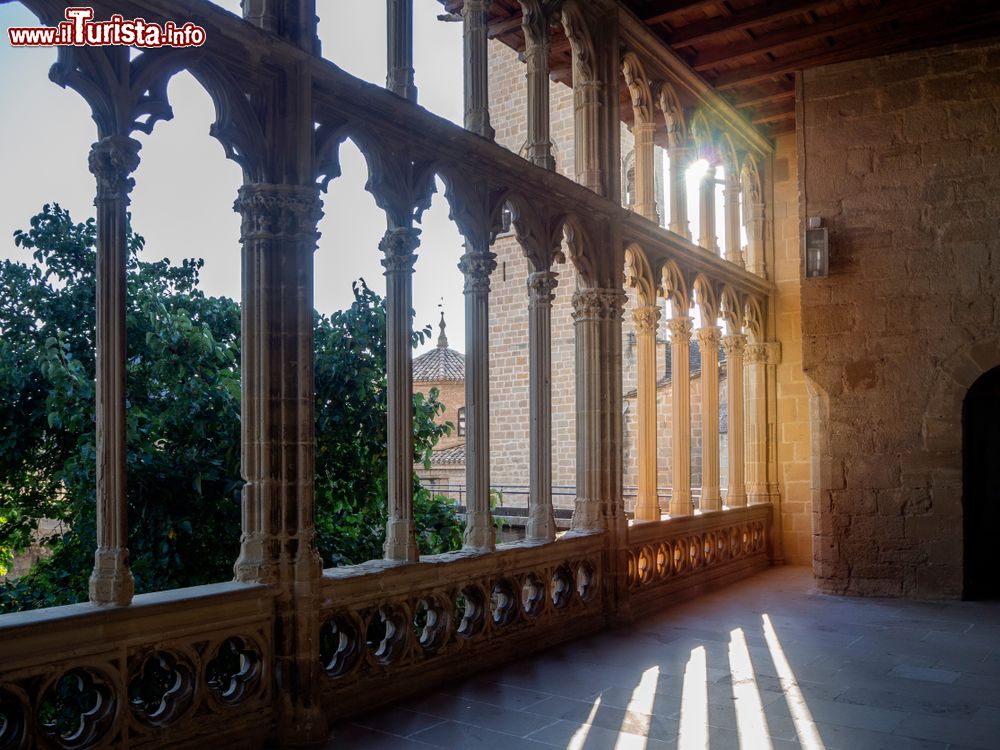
(766, 663)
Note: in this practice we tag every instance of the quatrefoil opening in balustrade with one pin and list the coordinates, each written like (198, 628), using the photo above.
(680, 557)
(586, 582)
(339, 645)
(161, 688)
(78, 709)
(721, 546)
(234, 673)
(532, 595)
(708, 548)
(734, 543)
(758, 537)
(470, 611)
(503, 602)
(431, 624)
(386, 633)
(562, 587)
(13, 720)
(662, 560)
(694, 553)
(646, 565)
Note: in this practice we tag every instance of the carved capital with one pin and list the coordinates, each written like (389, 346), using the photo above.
(287, 212)
(598, 304)
(680, 328)
(536, 18)
(756, 354)
(477, 268)
(646, 319)
(112, 161)
(734, 345)
(398, 245)
(709, 338)
(540, 287)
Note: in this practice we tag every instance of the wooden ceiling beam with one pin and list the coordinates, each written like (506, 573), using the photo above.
(774, 115)
(906, 37)
(702, 31)
(836, 24)
(662, 10)
(757, 101)
(502, 26)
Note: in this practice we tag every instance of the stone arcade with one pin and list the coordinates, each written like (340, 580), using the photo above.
(845, 394)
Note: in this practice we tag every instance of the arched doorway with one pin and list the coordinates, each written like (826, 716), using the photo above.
(981, 491)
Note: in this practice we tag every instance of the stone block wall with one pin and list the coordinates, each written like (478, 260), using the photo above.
(793, 430)
(452, 395)
(901, 159)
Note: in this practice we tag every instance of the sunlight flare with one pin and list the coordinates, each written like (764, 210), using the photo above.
(750, 719)
(694, 703)
(805, 727)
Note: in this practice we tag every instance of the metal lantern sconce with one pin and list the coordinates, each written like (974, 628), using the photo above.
(817, 249)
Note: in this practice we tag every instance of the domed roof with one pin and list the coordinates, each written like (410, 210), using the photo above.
(440, 363)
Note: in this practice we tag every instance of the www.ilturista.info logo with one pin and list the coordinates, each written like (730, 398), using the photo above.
(79, 29)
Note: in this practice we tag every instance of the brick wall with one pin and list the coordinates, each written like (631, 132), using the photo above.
(901, 161)
(451, 393)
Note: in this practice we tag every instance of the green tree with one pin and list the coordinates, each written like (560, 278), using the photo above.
(182, 421)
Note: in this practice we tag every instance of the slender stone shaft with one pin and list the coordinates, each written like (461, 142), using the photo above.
(541, 518)
(680, 392)
(477, 264)
(708, 343)
(678, 158)
(755, 239)
(476, 67)
(597, 315)
(112, 161)
(399, 49)
(645, 174)
(535, 25)
(734, 346)
(647, 505)
(732, 208)
(398, 246)
(756, 417)
(708, 238)
(278, 406)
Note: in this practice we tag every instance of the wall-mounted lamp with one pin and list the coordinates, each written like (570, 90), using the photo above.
(817, 249)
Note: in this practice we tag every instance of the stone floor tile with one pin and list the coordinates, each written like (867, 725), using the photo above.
(455, 735)
(928, 674)
(952, 731)
(496, 694)
(573, 735)
(465, 711)
(630, 721)
(354, 736)
(397, 720)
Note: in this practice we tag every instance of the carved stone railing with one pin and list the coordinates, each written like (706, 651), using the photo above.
(172, 670)
(389, 629)
(681, 557)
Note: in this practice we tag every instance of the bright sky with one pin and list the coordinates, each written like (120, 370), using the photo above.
(185, 187)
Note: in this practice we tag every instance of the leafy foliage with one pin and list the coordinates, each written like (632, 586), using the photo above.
(182, 421)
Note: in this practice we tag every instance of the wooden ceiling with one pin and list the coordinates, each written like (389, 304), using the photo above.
(749, 50)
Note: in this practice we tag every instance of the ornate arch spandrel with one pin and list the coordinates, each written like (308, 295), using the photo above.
(675, 287)
(673, 114)
(707, 299)
(643, 105)
(753, 316)
(732, 309)
(639, 274)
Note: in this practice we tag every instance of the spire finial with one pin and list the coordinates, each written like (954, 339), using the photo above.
(442, 339)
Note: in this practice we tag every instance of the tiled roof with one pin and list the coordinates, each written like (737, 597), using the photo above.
(440, 363)
(449, 456)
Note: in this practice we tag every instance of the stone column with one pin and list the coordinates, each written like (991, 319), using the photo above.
(756, 423)
(732, 197)
(398, 246)
(277, 421)
(541, 518)
(588, 90)
(734, 346)
(708, 238)
(708, 343)
(680, 391)
(755, 239)
(678, 157)
(535, 24)
(476, 67)
(277, 411)
(112, 161)
(597, 316)
(646, 319)
(399, 49)
(477, 264)
(645, 184)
